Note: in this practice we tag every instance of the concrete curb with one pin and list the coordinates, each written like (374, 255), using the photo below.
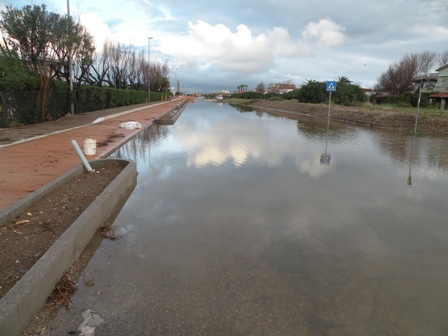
(19, 306)
(178, 108)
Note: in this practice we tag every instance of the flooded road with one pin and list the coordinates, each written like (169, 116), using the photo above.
(243, 223)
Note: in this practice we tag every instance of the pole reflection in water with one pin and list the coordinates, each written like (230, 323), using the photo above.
(325, 157)
(409, 180)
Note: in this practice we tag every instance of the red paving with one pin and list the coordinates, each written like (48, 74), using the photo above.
(26, 166)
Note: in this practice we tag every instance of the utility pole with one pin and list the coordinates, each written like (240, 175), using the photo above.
(70, 71)
(167, 88)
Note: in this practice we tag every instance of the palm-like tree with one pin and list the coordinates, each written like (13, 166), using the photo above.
(344, 80)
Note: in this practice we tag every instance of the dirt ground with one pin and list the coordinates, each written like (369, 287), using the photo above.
(30, 235)
(402, 121)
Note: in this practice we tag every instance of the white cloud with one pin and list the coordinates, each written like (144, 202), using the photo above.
(238, 51)
(431, 31)
(325, 32)
(97, 28)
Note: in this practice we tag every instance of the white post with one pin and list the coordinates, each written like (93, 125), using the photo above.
(81, 156)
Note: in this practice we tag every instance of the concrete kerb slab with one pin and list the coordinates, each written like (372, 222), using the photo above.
(179, 108)
(123, 113)
(19, 306)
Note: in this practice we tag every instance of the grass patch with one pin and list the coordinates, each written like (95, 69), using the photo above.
(394, 108)
(238, 101)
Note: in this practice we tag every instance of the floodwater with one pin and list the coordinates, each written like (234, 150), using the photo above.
(243, 223)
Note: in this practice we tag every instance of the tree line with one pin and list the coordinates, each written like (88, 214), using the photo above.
(311, 91)
(39, 46)
(398, 81)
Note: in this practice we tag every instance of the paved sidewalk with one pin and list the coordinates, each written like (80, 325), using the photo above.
(33, 155)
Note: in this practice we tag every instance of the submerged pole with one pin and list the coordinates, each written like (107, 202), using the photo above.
(418, 105)
(329, 105)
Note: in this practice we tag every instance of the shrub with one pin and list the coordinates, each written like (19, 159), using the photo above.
(312, 92)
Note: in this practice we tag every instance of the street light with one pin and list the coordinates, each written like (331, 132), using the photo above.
(70, 71)
(167, 87)
(149, 71)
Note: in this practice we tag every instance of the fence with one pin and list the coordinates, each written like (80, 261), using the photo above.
(24, 107)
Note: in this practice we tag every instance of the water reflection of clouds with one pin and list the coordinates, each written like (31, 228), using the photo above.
(218, 155)
(312, 166)
(253, 142)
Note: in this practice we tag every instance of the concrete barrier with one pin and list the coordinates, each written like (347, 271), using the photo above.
(19, 306)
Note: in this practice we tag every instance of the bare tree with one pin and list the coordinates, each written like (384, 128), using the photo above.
(118, 74)
(158, 77)
(443, 58)
(425, 61)
(261, 87)
(120, 66)
(398, 77)
(100, 65)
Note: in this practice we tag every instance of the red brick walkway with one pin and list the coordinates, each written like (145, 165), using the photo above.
(26, 166)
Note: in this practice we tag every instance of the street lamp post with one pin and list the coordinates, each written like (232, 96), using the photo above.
(167, 84)
(70, 71)
(149, 71)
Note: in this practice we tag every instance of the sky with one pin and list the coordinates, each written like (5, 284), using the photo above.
(211, 46)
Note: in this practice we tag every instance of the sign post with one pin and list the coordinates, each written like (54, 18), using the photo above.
(330, 87)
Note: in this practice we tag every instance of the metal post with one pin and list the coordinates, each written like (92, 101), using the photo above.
(418, 105)
(409, 180)
(149, 70)
(328, 121)
(70, 71)
(166, 89)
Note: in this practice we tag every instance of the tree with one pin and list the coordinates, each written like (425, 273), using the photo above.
(398, 77)
(42, 42)
(344, 80)
(443, 58)
(261, 87)
(28, 38)
(100, 65)
(312, 92)
(16, 77)
(347, 92)
(242, 88)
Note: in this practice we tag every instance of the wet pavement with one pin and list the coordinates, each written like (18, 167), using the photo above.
(236, 227)
(33, 155)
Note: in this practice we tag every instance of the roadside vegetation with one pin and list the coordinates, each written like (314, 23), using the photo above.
(37, 50)
(398, 82)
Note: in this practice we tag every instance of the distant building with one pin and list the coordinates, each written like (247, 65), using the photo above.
(439, 92)
(281, 88)
(428, 81)
(368, 92)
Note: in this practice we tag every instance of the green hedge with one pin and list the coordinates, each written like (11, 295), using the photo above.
(93, 98)
(22, 108)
